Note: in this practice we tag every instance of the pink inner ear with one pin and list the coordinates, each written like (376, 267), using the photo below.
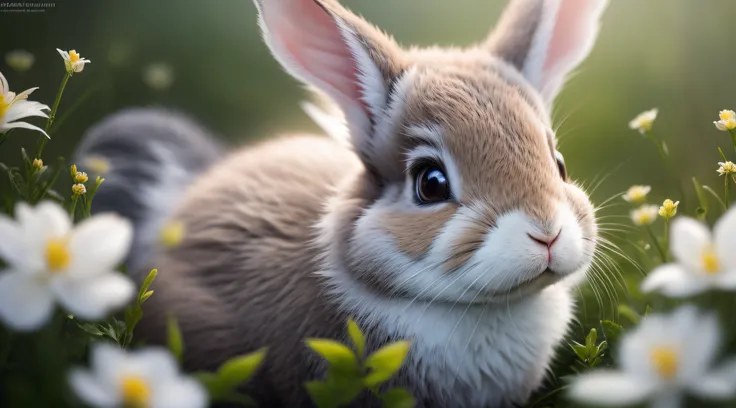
(571, 33)
(314, 41)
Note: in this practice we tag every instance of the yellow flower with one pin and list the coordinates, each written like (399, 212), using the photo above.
(20, 60)
(726, 168)
(37, 164)
(73, 61)
(644, 121)
(81, 177)
(172, 234)
(644, 215)
(668, 209)
(636, 194)
(79, 189)
(727, 120)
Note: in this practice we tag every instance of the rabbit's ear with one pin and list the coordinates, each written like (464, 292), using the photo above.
(546, 39)
(325, 46)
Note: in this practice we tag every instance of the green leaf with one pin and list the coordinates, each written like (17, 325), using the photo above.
(238, 370)
(590, 339)
(90, 328)
(397, 398)
(339, 355)
(212, 383)
(357, 337)
(385, 362)
(146, 296)
(146, 283)
(320, 393)
(176, 345)
(580, 350)
(629, 313)
(611, 330)
(343, 388)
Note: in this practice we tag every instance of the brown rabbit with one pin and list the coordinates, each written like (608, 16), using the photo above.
(451, 222)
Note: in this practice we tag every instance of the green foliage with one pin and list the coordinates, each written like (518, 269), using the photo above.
(176, 345)
(590, 353)
(222, 386)
(134, 313)
(349, 373)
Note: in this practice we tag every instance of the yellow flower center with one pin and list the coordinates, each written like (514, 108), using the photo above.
(97, 165)
(73, 56)
(3, 106)
(57, 255)
(727, 115)
(135, 392)
(665, 361)
(710, 262)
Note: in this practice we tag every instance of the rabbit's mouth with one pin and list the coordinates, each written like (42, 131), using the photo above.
(545, 278)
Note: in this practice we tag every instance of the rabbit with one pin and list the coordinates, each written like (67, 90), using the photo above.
(443, 215)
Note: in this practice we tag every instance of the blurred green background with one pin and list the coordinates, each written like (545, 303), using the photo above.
(676, 55)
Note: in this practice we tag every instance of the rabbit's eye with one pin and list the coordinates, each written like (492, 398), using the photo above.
(561, 165)
(431, 185)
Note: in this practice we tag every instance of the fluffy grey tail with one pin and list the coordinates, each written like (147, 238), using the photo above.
(151, 156)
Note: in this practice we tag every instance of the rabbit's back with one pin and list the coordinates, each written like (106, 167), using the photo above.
(243, 276)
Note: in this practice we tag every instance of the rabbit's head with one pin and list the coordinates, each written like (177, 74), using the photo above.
(463, 195)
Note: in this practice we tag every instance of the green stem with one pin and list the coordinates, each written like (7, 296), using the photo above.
(732, 132)
(52, 114)
(656, 244)
(666, 237)
(72, 210)
(661, 147)
(725, 191)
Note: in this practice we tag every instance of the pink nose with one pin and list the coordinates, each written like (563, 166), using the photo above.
(546, 241)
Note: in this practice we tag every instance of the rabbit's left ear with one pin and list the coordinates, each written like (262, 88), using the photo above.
(546, 39)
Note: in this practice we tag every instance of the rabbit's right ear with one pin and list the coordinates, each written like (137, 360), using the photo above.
(325, 46)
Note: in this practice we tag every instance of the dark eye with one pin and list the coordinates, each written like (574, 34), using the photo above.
(431, 185)
(561, 165)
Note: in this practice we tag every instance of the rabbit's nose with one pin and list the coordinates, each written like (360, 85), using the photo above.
(547, 241)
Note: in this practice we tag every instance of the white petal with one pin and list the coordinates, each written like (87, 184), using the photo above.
(24, 303)
(688, 240)
(675, 281)
(107, 361)
(724, 234)
(63, 54)
(726, 280)
(94, 297)
(156, 363)
(25, 109)
(22, 125)
(180, 393)
(721, 383)
(607, 387)
(11, 245)
(91, 390)
(26, 93)
(4, 87)
(699, 336)
(100, 244)
(46, 220)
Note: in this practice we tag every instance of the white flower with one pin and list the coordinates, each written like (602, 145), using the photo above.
(50, 261)
(703, 261)
(145, 378)
(158, 76)
(663, 358)
(20, 60)
(726, 168)
(14, 107)
(644, 121)
(727, 120)
(644, 215)
(636, 194)
(73, 61)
